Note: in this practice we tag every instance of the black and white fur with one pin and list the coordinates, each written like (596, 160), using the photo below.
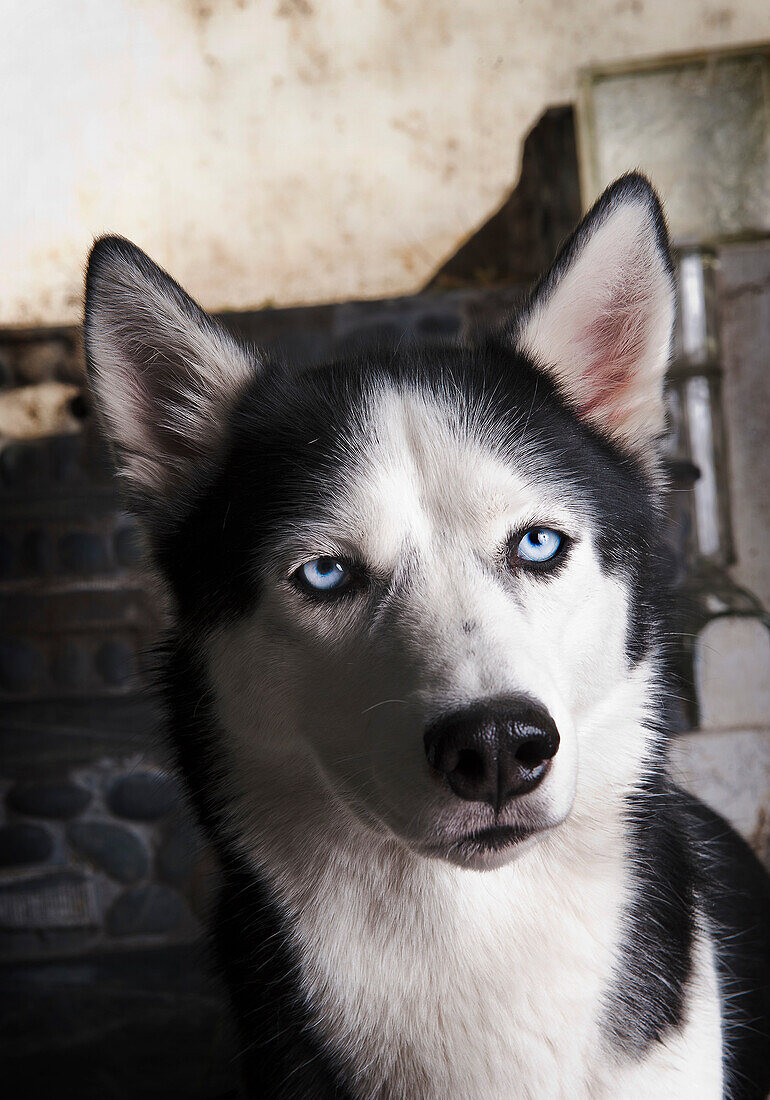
(619, 948)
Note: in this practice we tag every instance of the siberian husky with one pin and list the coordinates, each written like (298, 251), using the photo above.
(416, 684)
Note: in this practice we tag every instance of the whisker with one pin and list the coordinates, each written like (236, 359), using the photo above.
(385, 702)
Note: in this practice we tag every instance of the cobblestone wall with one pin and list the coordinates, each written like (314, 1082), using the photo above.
(96, 844)
(98, 852)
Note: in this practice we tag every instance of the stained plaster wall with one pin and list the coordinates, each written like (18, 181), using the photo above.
(289, 150)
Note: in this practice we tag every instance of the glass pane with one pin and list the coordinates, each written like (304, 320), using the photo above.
(699, 128)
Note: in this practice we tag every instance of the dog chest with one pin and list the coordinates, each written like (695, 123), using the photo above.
(462, 984)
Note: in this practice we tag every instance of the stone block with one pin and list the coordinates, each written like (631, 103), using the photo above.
(143, 796)
(56, 899)
(48, 799)
(22, 843)
(117, 851)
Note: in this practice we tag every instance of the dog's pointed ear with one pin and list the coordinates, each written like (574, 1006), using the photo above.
(600, 321)
(163, 373)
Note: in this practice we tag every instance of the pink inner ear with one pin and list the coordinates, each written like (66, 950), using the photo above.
(613, 345)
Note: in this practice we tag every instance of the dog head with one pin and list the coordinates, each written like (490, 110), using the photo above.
(422, 581)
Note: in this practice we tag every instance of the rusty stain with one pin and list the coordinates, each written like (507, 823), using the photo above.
(413, 124)
(439, 156)
(720, 19)
(290, 9)
(317, 68)
(407, 259)
(312, 65)
(200, 10)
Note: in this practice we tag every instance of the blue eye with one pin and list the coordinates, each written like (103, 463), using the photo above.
(539, 544)
(323, 574)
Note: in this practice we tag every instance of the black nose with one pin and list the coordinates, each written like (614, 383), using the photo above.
(493, 750)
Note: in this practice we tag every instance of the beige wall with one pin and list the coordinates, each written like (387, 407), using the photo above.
(288, 150)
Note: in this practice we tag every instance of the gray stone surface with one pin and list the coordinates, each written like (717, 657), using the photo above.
(144, 796)
(22, 843)
(732, 673)
(145, 910)
(70, 665)
(59, 898)
(730, 771)
(21, 665)
(37, 552)
(83, 552)
(729, 766)
(55, 800)
(142, 1024)
(115, 662)
(112, 848)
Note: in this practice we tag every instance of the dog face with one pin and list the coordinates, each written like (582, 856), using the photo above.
(422, 582)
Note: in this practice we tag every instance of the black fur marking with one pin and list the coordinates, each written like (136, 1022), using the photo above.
(735, 896)
(656, 958)
(690, 864)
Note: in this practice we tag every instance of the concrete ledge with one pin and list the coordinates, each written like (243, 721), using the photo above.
(730, 770)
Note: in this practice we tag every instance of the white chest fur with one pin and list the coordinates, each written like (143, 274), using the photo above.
(432, 981)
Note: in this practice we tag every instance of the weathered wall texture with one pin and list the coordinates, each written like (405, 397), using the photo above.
(288, 150)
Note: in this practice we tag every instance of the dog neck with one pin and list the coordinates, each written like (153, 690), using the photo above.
(428, 979)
